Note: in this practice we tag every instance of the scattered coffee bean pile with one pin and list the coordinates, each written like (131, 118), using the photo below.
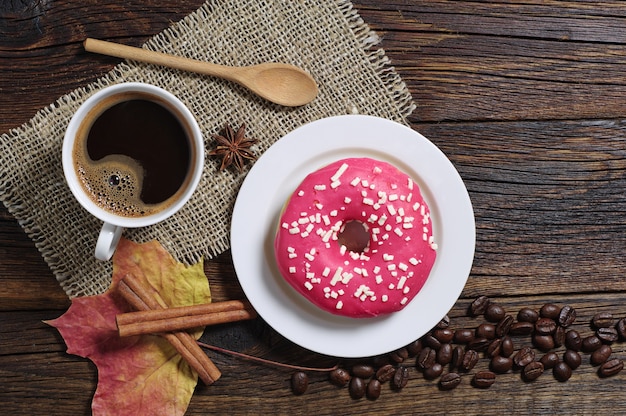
(449, 354)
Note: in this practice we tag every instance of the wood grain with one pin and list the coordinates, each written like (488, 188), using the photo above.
(525, 98)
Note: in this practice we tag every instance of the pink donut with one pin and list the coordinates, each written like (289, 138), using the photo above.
(355, 238)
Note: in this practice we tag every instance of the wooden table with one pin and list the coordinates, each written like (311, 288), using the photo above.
(527, 100)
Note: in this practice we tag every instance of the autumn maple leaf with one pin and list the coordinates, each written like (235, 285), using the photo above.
(140, 375)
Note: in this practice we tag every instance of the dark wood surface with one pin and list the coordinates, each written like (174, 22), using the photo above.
(527, 99)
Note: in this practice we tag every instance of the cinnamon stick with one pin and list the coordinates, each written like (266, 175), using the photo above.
(182, 311)
(156, 326)
(144, 297)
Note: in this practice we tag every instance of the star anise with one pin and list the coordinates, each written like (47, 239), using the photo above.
(233, 148)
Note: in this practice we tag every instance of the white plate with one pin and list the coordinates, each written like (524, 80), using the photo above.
(278, 172)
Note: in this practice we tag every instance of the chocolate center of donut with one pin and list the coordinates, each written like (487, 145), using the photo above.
(354, 235)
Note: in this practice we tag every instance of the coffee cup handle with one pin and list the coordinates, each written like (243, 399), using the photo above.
(107, 241)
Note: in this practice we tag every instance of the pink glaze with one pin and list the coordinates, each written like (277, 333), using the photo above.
(388, 274)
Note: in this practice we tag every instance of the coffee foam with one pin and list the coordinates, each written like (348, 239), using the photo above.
(114, 183)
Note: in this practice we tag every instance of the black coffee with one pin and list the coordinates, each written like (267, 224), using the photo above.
(136, 156)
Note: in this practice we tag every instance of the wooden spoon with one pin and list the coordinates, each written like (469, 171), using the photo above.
(279, 83)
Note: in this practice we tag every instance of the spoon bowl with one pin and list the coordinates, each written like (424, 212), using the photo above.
(279, 83)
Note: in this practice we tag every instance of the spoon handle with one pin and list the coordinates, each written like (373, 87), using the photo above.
(158, 58)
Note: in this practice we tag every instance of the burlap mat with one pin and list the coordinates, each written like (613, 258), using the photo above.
(326, 38)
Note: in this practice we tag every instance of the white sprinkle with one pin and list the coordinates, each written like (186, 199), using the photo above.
(406, 290)
(339, 172)
(379, 279)
(394, 186)
(377, 169)
(425, 237)
(320, 187)
(434, 246)
(342, 249)
(310, 275)
(391, 209)
(326, 289)
(391, 267)
(336, 277)
(404, 300)
(291, 249)
(294, 230)
(346, 277)
(401, 282)
(335, 184)
(292, 269)
(285, 225)
(355, 181)
(334, 295)
(326, 220)
(410, 184)
(382, 219)
(387, 257)
(308, 285)
(398, 232)
(365, 183)
(301, 193)
(319, 206)
(407, 225)
(292, 255)
(333, 213)
(393, 197)
(347, 200)
(376, 269)
(403, 266)
(414, 261)
(368, 201)
(384, 298)
(341, 292)
(401, 211)
(309, 256)
(416, 206)
(391, 286)
(326, 271)
(339, 305)
(372, 218)
(303, 220)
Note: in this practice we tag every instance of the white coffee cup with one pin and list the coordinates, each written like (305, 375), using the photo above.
(78, 129)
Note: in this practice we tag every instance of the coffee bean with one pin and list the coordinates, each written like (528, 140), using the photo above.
(545, 326)
(299, 382)
(401, 377)
(430, 341)
(572, 358)
(559, 336)
(339, 377)
(486, 331)
(621, 328)
(562, 372)
(507, 348)
(494, 312)
(532, 371)
(463, 336)
(500, 364)
(373, 389)
(602, 320)
(550, 311)
(444, 355)
(414, 348)
(363, 370)
(590, 343)
(567, 316)
(600, 355)
(444, 335)
(426, 358)
(495, 347)
(607, 335)
(573, 340)
(543, 342)
(611, 367)
(470, 359)
(385, 373)
(521, 328)
(449, 381)
(357, 388)
(479, 306)
(549, 360)
(484, 379)
(479, 344)
(504, 326)
(457, 357)
(433, 372)
(399, 355)
(524, 356)
(527, 315)
(444, 323)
